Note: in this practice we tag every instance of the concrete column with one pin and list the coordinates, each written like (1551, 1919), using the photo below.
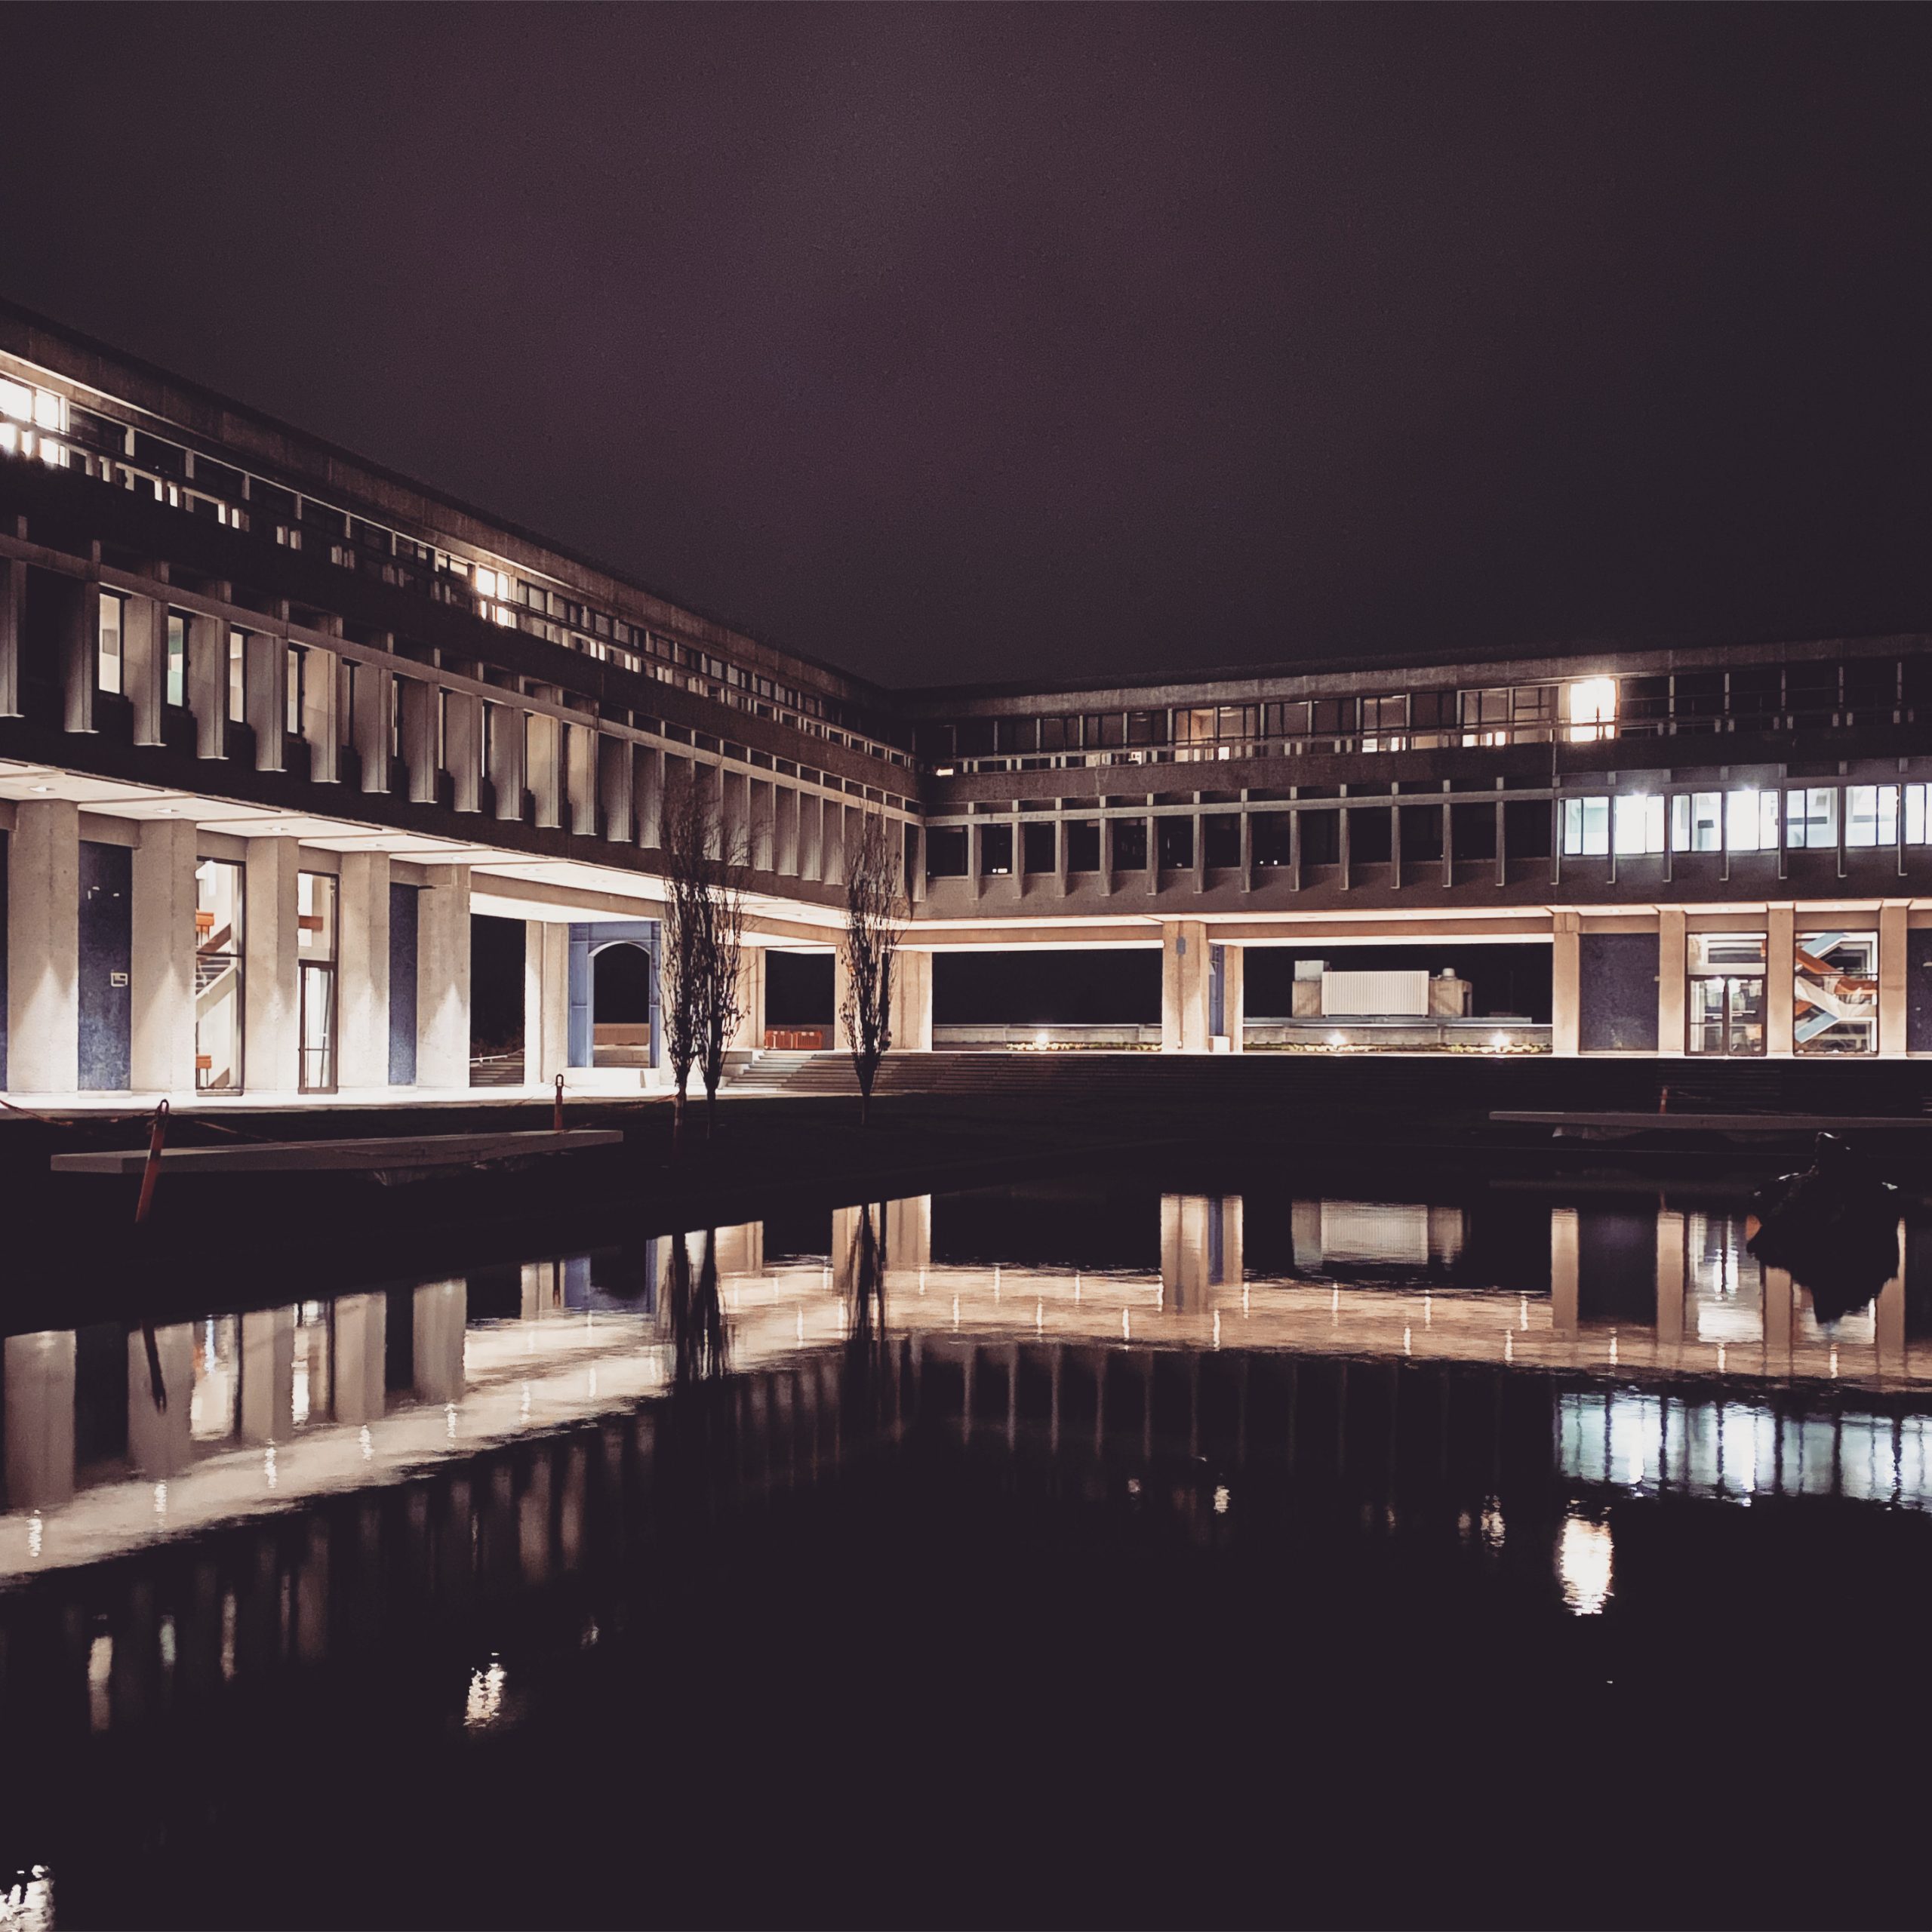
(749, 1035)
(442, 983)
(545, 1000)
(162, 1059)
(44, 948)
(158, 1441)
(207, 684)
(1780, 963)
(40, 1419)
(1234, 996)
(1670, 1277)
(372, 723)
(1672, 963)
(362, 974)
(1892, 979)
(1184, 986)
(647, 793)
(360, 1335)
(616, 780)
(912, 1002)
(271, 1010)
(462, 748)
(80, 650)
(1564, 1291)
(1565, 1003)
(13, 597)
(266, 679)
(144, 663)
(506, 748)
(421, 704)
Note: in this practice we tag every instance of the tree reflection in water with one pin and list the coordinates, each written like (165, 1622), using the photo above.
(695, 1314)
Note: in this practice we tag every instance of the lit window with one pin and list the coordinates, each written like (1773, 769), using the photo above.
(1589, 704)
(1697, 822)
(16, 401)
(1750, 821)
(50, 411)
(1811, 818)
(112, 672)
(1871, 815)
(237, 678)
(1585, 827)
(1639, 825)
(1834, 1006)
(177, 688)
(1915, 814)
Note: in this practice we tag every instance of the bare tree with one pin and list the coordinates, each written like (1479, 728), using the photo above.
(874, 918)
(704, 923)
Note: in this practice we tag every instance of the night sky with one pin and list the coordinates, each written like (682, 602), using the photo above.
(972, 343)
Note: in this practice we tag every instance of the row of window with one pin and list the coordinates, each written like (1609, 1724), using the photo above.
(1746, 820)
(39, 423)
(1578, 710)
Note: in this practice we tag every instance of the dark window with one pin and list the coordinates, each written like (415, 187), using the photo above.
(1220, 839)
(1368, 835)
(1699, 694)
(164, 459)
(1321, 838)
(1271, 837)
(1472, 831)
(1105, 727)
(1054, 734)
(1432, 711)
(1333, 716)
(1037, 843)
(1422, 833)
(934, 741)
(1147, 727)
(946, 852)
(1758, 692)
(1176, 836)
(1130, 845)
(1526, 828)
(1017, 734)
(1287, 720)
(1812, 688)
(975, 737)
(1642, 699)
(1083, 845)
(996, 850)
(1870, 688)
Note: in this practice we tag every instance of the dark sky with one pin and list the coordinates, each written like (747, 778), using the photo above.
(970, 342)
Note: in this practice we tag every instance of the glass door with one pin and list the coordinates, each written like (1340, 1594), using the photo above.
(316, 930)
(1724, 1010)
(218, 936)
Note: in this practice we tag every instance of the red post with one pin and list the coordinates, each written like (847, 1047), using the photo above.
(1663, 1099)
(152, 1172)
(557, 1112)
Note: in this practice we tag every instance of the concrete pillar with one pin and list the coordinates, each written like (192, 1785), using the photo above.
(1780, 962)
(462, 748)
(1566, 1012)
(504, 734)
(1184, 986)
(1892, 979)
(159, 1441)
(442, 984)
(265, 682)
(144, 663)
(1670, 1278)
(372, 722)
(362, 976)
(359, 1327)
(162, 1059)
(207, 684)
(44, 947)
(420, 704)
(440, 1313)
(749, 1035)
(616, 769)
(545, 1000)
(39, 1411)
(912, 1002)
(80, 650)
(1672, 963)
(1564, 1302)
(268, 1375)
(13, 602)
(272, 1012)
(1234, 996)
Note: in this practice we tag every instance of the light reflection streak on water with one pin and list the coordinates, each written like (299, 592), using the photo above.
(1584, 1556)
(26, 1904)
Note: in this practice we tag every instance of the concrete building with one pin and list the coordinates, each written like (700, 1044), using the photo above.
(276, 724)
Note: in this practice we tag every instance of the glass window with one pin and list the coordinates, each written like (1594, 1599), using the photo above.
(1589, 706)
(111, 674)
(293, 725)
(1725, 1011)
(1811, 818)
(177, 689)
(218, 940)
(315, 942)
(1697, 822)
(1639, 825)
(1585, 827)
(1750, 821)
(237, 678)
(1834, 990)
(1872, 815)
(1915, 814)
(1727, 952)
(996, 850)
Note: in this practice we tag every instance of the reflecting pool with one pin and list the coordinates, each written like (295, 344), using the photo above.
(1088, 1551)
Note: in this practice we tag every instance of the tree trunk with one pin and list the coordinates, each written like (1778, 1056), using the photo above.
(678, 1118)
(710, 1104)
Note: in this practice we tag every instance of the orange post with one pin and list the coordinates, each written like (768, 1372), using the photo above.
(152, 1172)
(557, 1112)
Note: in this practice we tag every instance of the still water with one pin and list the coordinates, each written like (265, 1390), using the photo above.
(1085, 1551)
